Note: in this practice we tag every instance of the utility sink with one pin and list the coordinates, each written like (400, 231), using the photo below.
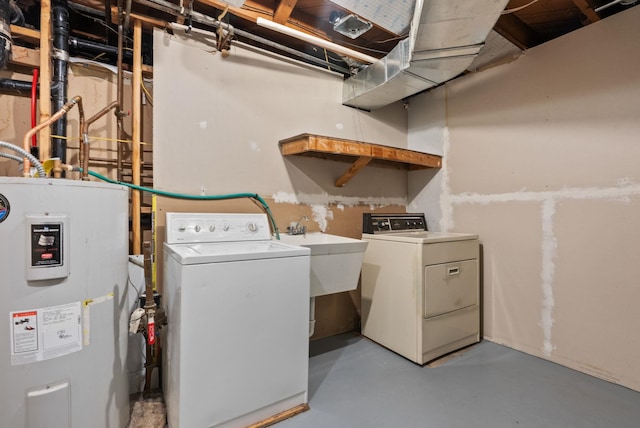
(335, 261)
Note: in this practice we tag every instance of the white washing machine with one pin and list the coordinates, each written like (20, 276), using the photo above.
(237, 302)
(420, 289)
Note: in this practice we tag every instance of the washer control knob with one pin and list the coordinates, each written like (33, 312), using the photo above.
(225, 227)
(181, 229)
(212, 228)
(252, 227)
(197, 228)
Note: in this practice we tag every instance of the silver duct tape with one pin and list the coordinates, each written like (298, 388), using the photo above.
(60, 55)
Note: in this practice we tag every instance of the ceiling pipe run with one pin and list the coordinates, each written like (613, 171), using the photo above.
(445, 37)
(330, 46)
(168, 7)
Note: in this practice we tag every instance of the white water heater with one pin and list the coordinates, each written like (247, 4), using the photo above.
(63, 285)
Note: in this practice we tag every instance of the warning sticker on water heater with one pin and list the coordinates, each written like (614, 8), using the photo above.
(42, 334)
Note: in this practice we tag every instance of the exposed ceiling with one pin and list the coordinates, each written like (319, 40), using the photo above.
(523, 24)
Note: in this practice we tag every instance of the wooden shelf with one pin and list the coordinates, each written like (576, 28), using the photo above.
(358, 153)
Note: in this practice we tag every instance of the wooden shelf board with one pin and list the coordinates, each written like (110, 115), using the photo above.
(357, 153)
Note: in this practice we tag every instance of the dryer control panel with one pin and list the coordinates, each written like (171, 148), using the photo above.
(388, 223)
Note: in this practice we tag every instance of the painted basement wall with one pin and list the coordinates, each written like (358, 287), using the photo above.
(217, 124)
(541, 160)
(219, 120)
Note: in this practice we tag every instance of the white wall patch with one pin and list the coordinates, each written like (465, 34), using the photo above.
(321, 214)
(549, 254)
(446, 202)
(254, 146)
(345, 201)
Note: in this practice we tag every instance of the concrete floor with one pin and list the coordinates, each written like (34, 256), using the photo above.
(354, 382)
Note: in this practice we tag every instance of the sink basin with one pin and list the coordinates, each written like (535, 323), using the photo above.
(335, 261)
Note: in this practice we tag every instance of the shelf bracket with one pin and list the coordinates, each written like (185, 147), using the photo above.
(360, 163)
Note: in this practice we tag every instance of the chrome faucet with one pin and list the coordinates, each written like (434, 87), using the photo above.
(296, 228)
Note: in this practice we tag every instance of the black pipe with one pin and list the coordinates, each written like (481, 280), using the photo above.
(86, 46)
(15, 87)
(17, 18)
(5, 33)
(60, 54)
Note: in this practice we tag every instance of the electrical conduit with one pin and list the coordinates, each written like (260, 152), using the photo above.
(26, 155)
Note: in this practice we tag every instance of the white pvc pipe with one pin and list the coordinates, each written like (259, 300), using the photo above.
(312, 316)
(333, 47)
(598, 9)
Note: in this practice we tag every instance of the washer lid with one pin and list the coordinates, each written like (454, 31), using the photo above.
(422, 237)
(217, 252)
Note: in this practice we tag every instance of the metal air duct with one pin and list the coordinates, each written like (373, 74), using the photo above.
(445, 37)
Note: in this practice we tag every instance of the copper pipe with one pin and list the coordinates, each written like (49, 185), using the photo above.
(57, 115)
(81, 121)
(84, 143)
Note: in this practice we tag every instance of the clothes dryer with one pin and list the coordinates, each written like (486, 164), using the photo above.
(420, 289)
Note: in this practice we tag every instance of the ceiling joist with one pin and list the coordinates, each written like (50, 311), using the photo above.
(284, 10)
(587, 10)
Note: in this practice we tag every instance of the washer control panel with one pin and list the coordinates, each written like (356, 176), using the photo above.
(216, 227)
(387, 223)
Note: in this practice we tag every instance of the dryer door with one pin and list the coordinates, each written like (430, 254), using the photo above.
(449, 287)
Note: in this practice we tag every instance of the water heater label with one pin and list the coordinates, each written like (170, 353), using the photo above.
(48, 247)
(45, 333)
(46, 244)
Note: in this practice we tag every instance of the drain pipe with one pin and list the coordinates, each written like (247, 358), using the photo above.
(60, 54)
(15, 87)
(5, 33)
(10, 13)
(79, 45)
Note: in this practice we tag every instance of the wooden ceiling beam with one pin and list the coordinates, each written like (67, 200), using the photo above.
(587, 10)
(26, 34)
(249, 15)
(146, 20)
(25, 57)
(517, 32)
(283, 11)
(251, 11)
